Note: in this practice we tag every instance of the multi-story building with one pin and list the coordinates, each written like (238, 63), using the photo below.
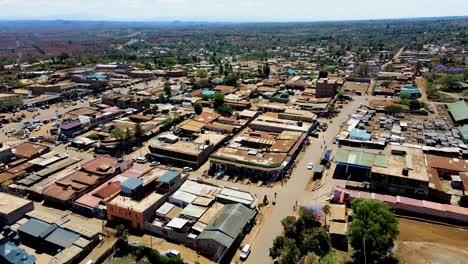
(191, 151)
(327, 87)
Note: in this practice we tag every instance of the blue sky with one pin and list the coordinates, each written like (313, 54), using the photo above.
(228, 10)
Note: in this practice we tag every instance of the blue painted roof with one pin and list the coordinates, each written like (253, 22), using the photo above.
(360, 134)
(10, 253)
(168, 176)
(97, 76)
(132, 183)
(290, 72)
(410, 90)
(208, 92)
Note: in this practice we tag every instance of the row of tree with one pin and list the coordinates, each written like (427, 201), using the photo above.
(371, 233)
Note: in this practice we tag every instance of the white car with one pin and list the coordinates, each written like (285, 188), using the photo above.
(11, 130)
(245, 251)
(140, 160)
(173, 253)
(310, 166)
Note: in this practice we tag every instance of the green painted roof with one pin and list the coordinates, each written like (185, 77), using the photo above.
(459, 110)
(360, 158)
(464, 133)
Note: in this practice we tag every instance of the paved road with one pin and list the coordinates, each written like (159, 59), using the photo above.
(294, 189)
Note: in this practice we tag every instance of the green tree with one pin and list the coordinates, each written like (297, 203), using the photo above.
(389, 68)
(331, 108)
(122, 233)
(323, 74)
(218, 100)
(266, 70)
(363, 69)
(167, 89)
(162, 98)
(93, 137)
(231, 80)
(278, 245)
(138, 133)
(202, 73)
(198, 108)
(118, 133)
(319, 243)
(289, 226)
(291, 253)
(309, 216)
(373, 228)
(224, 110)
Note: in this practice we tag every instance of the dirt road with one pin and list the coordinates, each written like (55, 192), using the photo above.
(421, 84)
(397, 55)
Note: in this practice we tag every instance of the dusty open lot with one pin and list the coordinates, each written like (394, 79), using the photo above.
(423, 242)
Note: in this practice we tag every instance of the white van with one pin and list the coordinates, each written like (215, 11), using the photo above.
(245, 251)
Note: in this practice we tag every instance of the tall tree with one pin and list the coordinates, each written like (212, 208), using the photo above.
(373, 229)
(218, 100)
(266, 70)
(167, 89)
(323, 74)
(198, 108)
(139, 133)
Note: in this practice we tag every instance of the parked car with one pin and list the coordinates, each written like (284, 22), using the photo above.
(33, 139)
(155, 164)
(11, 130)
(173, 253)
(310, 166)
(140, 160)
(245, 251)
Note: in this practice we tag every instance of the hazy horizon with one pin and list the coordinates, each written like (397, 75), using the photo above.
(228, 10)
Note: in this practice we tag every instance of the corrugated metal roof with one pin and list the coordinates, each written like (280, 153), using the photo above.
(37, 228)
(177, 223)
(459, 110)
(62, 237)
(168, 176)
(132, 183)
(360, 158)
(194, 211)
(13, 254)
(228, 224)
